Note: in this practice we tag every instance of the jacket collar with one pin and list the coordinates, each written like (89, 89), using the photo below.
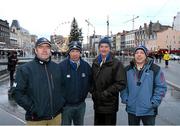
(74, 65)
(109, 59)
(148, 63)
(100, 58)
(42, 61)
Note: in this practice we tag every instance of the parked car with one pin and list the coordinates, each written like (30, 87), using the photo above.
(174, 57)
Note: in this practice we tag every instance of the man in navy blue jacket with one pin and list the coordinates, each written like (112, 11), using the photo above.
(37, 87)
(76, 81)
(145, 90)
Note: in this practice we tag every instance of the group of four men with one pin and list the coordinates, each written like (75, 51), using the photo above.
(54, 94)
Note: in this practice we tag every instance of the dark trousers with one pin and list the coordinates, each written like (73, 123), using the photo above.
(11, 77)
(146, 120)
(105, 119)
(74, 114)
(166, 63)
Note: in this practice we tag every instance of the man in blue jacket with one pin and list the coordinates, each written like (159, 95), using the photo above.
(145, 90)
(37, 87)
(76, 81)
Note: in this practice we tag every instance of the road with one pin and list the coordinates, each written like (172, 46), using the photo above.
(172, 72)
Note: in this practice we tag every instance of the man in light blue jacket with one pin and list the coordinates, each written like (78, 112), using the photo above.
(145, 89)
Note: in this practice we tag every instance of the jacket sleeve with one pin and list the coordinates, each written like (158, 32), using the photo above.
(124, 95)
(119, 81)
(90, 79)
(20, 90)
(159, 89)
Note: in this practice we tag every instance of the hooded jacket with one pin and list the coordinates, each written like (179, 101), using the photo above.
(143, 94)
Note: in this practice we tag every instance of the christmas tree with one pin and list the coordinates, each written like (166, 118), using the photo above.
(75, 33)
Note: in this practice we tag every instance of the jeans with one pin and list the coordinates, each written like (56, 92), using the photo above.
(74, 114)
(146, 120)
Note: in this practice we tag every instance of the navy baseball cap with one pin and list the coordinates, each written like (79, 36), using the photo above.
(42, 41)
(75, 45)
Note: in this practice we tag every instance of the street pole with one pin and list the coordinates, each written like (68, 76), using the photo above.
(107, 26)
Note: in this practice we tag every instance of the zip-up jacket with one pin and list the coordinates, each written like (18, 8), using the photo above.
(166, 56)
(108, 79)
(38, 89)
(76, 81)
(145, 90)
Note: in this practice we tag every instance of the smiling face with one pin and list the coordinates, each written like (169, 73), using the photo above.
(104, 49)
(74, 54)
(43, 51)
(140, 56)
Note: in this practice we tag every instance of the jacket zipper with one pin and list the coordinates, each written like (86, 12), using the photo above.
(52, 82)
(50, 92)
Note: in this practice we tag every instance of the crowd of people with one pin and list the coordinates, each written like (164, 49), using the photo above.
(54, 94)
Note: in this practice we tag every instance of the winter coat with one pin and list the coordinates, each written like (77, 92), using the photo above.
(76, 81)
(108, 80)
(38, 89)
(145, 90)
(166, 56)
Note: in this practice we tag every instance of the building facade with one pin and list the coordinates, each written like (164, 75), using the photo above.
(176, 22)
(23, 37)
(4, 34)
(166, 39)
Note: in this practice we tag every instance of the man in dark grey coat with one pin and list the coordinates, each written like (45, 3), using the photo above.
(108, 79)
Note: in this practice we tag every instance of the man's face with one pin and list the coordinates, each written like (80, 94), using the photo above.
(104, 49)
(74, 54)
(140, 56)
(43, 51)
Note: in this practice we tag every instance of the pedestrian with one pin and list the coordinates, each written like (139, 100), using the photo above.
(12, 62)
(38, 89)
(160, 57)
(156, 55)
(166, 58)
(108, 79)
(145, 89)
(76, 82)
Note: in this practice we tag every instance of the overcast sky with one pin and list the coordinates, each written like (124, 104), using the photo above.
(46, 17)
